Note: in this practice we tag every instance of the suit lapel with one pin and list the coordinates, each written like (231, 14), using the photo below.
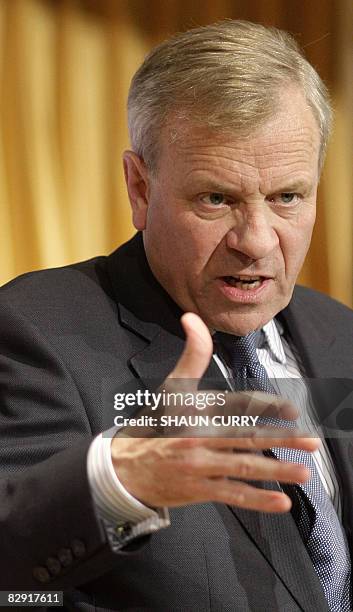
(277, 537)
(159, 357)
(331, 384)
(155, 362)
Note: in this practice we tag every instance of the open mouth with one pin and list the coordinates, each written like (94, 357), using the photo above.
(244, 282)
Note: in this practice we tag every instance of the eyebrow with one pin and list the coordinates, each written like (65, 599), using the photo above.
(299, 185)
(214, 186)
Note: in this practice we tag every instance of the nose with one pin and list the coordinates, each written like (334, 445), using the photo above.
(252, 233)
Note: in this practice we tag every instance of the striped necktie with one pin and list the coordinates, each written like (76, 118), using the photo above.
(317, 520)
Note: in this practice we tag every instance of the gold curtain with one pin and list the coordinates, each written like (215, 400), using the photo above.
(65, 67)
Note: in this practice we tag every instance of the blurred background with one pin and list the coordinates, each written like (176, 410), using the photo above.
(65, 68)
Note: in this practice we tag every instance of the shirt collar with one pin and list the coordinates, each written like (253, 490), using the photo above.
(271, 337)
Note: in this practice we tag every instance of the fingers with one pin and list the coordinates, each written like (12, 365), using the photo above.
(243, 495)
(198, 350)
(247, 466)
(163, 473)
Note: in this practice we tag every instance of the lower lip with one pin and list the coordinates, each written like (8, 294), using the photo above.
(244, 296)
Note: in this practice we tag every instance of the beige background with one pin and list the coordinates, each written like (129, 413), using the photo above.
(65, 67)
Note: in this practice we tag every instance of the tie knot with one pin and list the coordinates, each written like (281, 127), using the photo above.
(240, 350)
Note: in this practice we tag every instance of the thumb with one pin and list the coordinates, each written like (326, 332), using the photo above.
(198, 349)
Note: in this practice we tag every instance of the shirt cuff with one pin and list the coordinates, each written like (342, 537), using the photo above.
(115, 505)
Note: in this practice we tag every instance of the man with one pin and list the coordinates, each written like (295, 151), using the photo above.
(228, 125)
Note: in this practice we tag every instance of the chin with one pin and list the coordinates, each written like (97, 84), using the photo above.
(240, 330)
(239, 325)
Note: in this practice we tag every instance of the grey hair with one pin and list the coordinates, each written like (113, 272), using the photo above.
(226, 76)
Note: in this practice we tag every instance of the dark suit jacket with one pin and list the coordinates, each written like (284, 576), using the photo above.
(62, 332)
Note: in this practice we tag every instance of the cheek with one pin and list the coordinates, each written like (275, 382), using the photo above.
(173, 242)
(295, 246)
(204, 242)
(197, 239)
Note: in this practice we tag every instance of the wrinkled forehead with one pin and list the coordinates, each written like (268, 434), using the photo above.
(272, 154)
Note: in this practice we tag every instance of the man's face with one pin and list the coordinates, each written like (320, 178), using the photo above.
(228, 220)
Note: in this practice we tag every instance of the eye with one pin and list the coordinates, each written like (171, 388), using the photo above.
(214, 198)
(286, 197)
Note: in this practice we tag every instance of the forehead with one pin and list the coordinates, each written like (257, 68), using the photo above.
(290, 139)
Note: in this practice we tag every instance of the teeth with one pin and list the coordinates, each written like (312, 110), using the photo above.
(247, 286)
(247, 278)
(246, 283)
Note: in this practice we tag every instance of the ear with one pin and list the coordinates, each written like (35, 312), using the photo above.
(136, 177)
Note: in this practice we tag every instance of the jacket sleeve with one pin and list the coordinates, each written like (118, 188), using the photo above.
(49, 532)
